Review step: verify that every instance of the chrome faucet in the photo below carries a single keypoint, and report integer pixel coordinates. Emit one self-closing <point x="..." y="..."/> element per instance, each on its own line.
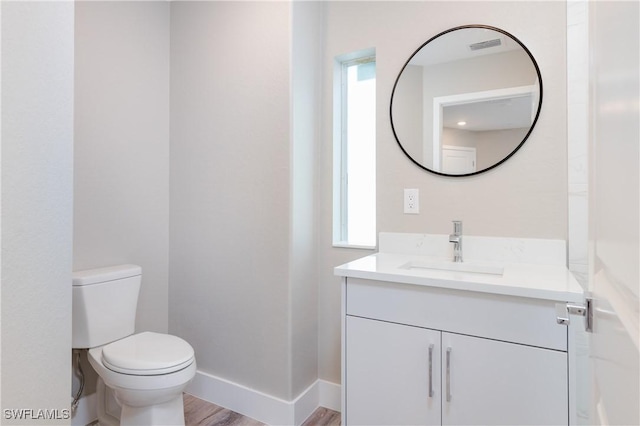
<point x="456" y="239"/>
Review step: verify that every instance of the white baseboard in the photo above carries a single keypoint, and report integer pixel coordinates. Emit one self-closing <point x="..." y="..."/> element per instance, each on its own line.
<point x="86" y="412"/>
<point x="261" y="406"/>
<point x="330" y="395"/>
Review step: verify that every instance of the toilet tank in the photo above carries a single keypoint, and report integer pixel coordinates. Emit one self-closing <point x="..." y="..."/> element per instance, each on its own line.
<point x="104" y="304"/>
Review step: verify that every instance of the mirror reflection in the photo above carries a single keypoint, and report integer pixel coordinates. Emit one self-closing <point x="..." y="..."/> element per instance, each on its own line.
<point x="466" y="100"/>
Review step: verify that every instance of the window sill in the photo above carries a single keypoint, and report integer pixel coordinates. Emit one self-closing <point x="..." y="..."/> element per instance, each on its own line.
<point x="353" y="246"/>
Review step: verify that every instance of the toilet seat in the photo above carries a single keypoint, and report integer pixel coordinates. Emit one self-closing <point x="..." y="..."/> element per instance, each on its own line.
<point x="148" y="354"/>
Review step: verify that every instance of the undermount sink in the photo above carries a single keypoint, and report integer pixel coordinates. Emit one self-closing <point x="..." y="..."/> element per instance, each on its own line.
<point x="443" y="265"/>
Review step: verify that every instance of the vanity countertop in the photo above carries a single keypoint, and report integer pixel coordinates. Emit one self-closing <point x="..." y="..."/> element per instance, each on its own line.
<point x="512" y="277"/>
<point x="551" y="282"/>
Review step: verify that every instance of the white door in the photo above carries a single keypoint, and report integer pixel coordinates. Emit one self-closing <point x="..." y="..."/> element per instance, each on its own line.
<point x="489" y="382"/>
<point x="389" y="375"/>
<point x="614" y="215"/>
<point x="458" y="160"/>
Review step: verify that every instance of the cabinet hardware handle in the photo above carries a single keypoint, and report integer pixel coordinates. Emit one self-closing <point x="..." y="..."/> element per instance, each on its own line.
<point x="431" y="370"/>
<point x="448" y="374"/>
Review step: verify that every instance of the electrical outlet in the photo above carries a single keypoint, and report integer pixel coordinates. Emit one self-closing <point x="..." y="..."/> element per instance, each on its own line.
<point x="411" y="201"/>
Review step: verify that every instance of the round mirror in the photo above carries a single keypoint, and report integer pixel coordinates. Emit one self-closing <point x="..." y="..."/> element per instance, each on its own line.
<point x="466" y="100"/>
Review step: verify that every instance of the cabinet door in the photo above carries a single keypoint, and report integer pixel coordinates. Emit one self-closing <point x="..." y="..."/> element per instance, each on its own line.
<point x="388" y="374"/>
<point x="493" y="382"/>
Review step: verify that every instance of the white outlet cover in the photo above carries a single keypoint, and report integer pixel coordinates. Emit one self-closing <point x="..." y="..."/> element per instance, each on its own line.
<point x="411" y="201"/>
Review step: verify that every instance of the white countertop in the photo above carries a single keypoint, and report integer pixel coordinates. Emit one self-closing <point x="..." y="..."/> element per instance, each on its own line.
<point x="522" y="279"/>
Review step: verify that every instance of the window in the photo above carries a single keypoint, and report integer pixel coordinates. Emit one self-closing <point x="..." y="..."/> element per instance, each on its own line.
<point x="355" y="151"/>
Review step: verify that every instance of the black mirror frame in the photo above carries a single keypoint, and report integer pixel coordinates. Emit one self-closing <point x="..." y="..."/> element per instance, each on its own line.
<point x="533" y="124"/>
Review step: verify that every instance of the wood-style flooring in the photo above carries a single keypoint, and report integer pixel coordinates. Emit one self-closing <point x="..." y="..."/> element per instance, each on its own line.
<point x="202" y="413"/>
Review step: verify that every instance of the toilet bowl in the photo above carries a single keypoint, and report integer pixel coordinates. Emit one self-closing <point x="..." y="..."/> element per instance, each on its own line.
<point x="147" y="374"/>
<point x="141" y="376"/>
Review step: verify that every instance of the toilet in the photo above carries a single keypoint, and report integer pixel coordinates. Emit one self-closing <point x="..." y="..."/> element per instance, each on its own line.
<point x="141" y="376"/>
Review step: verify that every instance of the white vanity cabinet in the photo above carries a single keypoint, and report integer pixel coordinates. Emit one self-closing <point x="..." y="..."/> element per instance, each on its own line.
<point x="420" y="355"/>
<point x="389" y="375"/>
<point x="493" y="382"/>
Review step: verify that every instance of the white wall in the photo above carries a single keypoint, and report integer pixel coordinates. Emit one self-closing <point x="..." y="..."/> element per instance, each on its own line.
<point x="306" y="71"/>
<point x="121" y="150"/>
<point x="230" y="189"/>
<point x="37" y="155"/>
<point x="243" y="154"/>
<point x="495" y="145"/>
<point x="0" y="200"/>
<point x="408" y="111"/>
<point x="524" y="197"/>
<point x="577" y="135"/>
<point x="121" y="182"/>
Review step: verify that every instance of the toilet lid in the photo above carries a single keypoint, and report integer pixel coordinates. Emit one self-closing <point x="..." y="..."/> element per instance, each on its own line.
<point x="147" y="354"/>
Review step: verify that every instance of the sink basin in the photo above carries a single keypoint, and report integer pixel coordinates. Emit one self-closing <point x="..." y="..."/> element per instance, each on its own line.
<point x="470" y="267"/>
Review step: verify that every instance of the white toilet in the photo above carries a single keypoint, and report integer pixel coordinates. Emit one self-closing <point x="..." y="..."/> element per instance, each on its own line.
<point x="145" y="372"/>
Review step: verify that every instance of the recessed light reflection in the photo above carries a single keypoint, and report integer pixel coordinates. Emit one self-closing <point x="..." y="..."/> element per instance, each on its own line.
<point x="462" y="123"/>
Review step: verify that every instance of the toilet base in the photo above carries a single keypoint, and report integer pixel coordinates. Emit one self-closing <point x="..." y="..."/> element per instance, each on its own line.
<point x="167" y="413"/>
<point x="112" y="412"/>
<point x="109" y="408"/>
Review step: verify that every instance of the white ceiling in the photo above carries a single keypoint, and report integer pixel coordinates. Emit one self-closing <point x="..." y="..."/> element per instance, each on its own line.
<point x="454" y="46"/>
<point x="498" y="114"/>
